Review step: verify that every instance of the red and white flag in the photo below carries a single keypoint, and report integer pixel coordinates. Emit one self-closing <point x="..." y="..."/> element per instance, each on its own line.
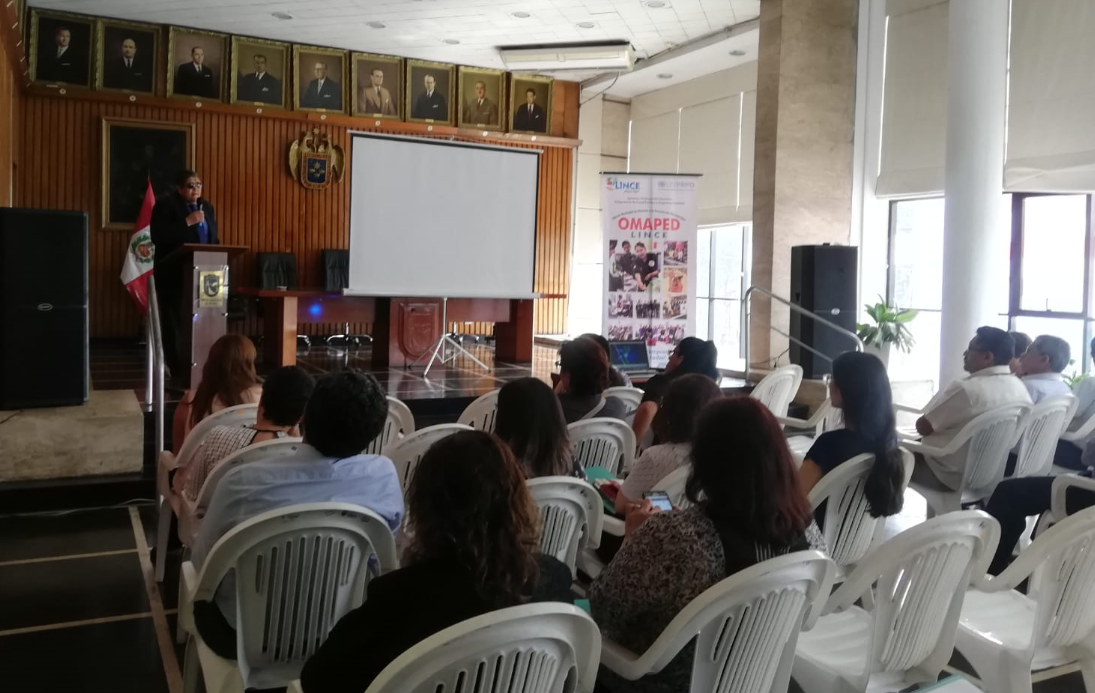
<point x="138" y="257"/>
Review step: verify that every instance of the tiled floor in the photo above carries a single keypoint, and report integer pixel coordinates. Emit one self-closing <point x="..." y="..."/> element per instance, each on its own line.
<point x="79" y="611"/>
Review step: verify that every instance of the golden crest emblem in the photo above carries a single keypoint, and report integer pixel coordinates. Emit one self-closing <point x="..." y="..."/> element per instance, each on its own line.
<point x="315" y="161"/>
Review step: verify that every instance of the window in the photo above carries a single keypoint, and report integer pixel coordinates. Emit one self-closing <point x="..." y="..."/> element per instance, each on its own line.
<point x="722" y="259"/>
<point x="916" y="281"/>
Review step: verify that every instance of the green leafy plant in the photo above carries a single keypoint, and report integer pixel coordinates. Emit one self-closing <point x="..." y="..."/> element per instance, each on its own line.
<point x="891" y="326"/>
<point x="1071" y="376"/>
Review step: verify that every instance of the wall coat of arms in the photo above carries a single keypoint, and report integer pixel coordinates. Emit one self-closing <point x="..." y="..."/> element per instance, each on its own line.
<point x="315" y="161"/>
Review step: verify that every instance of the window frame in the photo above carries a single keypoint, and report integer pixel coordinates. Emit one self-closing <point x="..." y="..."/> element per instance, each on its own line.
<point x="706" y="293"/>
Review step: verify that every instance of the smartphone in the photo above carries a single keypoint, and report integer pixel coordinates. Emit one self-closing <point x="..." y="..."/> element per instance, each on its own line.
<point x="660" y="499"/>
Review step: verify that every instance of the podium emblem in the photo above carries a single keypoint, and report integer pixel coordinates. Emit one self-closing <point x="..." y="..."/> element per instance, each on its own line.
<point x="315" y="161"/>
<point x="211" y="291"/>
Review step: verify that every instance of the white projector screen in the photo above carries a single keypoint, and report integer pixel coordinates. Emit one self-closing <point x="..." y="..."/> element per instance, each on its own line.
<point x="441" y="219"/>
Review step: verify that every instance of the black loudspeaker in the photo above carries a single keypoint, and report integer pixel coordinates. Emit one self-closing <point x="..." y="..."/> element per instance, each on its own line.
<point x="823" y="282"/>
<point x="43" y="308"/>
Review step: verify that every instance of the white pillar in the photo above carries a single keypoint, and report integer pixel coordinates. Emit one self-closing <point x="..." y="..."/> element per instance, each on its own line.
<point x="975" y="173"/>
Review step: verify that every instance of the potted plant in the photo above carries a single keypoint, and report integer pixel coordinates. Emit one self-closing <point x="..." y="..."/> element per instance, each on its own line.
<point x="890" y="329"/>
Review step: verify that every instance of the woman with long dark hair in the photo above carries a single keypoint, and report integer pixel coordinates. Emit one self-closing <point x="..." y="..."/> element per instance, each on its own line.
<point x="692" y="355"/>
<point x="530" y="420"/>
<point x="860" y="388"/>
<point x="583" y="378"/>
<point x="474" y="549"/>
<point x="228" y="379"/>
<point x="748" y="507"/>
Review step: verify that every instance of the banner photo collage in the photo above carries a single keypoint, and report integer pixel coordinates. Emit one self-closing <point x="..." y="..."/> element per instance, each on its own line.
<point x="650" y="224"/>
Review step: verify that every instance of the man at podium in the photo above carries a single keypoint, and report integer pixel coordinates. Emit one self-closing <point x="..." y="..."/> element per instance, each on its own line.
<point x="182" y="216"/>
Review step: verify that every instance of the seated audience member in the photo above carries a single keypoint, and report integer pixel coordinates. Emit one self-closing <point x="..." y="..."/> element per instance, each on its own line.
<point x="674" y="424"/>
<point x="692" y="355"/>
<point x="346" y="412"/>
<point x="1068" y="453"/>
<point x="530" y="420"/>
<point x="860" y="388"/>
<point x="990" y="385"/>
<point x="1022" y="343"/>
<point x="284" y="394"/>
<point x="228" y="379"/>
<point x="616" y="378"/>
<point x="583" y="378"/>
<point x="474" y="549"/>
<point x="748" y="508"/>
<point x="1041" y="366"/>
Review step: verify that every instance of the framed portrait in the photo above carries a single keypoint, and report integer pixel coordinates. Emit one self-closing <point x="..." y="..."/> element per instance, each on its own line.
<point x="321" y="76"/>
<point x="128" y="56"/>
<point x="61" y="48"/>
<point x="481" y="97"/>
<point x="430" y="88"/>
<point x="260" y="72"/>
<point x="377" y="86"/>
<point x="133" y="152"/>
<point x="530" y="104"/>
<point x="197" y="64"/>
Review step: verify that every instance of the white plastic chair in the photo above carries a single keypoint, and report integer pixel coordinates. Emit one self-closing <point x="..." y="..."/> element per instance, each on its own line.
<point x="603" y="442"/>
<point x="571" y="517"/>
<point x="481" y="413"/>
<point x="535" y="648"/>
<point x="298" y="571"/>
<point x="192" y="512"/>
<point x="825" y="418"/>
<point x="985" y="442"/>
<point x="631" y="396"/>
<point x="398" y="425"/>
<point x="777" y="389"/>
<point x="1043" y="427"/>
<point x="1005" y="634"/>
<point x="916" y="582"/>
<point x="850" y="531"/>
<point x="170" y="502"/>
<point x="745" y="627"/>
<point x="408" y="453"/>
<point x="1078" y="436"/>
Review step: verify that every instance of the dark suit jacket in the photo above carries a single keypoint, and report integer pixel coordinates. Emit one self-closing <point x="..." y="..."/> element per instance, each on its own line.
<point x="431" y="107"/>
<point x="169" y="231"/>
<point x="329" y="97"/>
<point x="192" y="83"/>
<point x="117" y="76"/>
<point x="537" y="122"/>
<point x="401" y="609"/>
<point x="71" y="68"/>
<point x="266" y="90"/>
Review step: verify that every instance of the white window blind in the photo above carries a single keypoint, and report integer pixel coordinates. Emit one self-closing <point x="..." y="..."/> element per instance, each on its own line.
<point x="709" y="145"/>
<point x="654" y="144"/>
<point x="1051" y="139"/>
<point x="914" y="119"/>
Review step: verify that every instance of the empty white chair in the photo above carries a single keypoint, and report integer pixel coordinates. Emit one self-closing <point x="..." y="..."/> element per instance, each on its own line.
<point x="170" y="502"/>
<point x="1043" y="427"/>
<point x="192" y="512"/>
<point x="916" y="582"/>
<point x="571" y="516"/>
<point x="1005" y="634"/>
<point x="985" y="442"/>
<point x="298" y="571"/>
<point x="398" y="425"/>
<point x="745" y="627"/>
<point x="481" y="413"/>
<point x="850" y="531"/>
<point x="777" y="389"/>
<point x="410" y="450"/>
<point x="535" y="648"/>
<point x="603" y="442"/>
<point x="631" y="396"/>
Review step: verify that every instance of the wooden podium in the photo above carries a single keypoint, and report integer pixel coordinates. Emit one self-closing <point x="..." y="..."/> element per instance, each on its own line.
<point x="203" y="270"/>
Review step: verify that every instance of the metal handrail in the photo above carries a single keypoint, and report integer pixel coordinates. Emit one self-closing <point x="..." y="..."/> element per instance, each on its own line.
<point x="156" y="365"/>
<point x="798" y="309"/>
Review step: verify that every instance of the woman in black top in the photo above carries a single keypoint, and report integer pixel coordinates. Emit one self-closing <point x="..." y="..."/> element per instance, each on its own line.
<point x="860" y="388"/>
<point x="475" y="549"/>
<point x="583" y="378"/>
<point x="530" y="420"/>
<point x="692" y="355"/>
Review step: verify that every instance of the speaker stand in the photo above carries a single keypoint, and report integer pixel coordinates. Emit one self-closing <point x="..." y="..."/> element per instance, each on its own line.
<point x="446" y="341"/>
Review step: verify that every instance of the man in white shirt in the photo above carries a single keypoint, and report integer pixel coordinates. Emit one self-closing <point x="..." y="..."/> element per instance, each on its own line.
<point x="990" y="385"/>
<point x="1041" y="366"/>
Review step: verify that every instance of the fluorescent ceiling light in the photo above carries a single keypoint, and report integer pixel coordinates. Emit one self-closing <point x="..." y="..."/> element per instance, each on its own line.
<point x="607" y="56"/>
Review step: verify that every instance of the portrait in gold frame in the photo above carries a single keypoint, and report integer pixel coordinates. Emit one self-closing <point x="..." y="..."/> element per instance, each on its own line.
<point x="248" y="87"/>
<point x="377" y="86"/>
<point x="483" y="111"/>
<point x="426" y="106"/>
<point x="309" y="94"/>
<point x="134" y="152"/>
<point x="71" y="67"/>
<point x="187" y="78"/>
<point x="118" y="42"/>
<point x="533" y="117"/>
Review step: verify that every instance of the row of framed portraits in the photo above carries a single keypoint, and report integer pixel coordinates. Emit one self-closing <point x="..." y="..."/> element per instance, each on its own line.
<point x="111" y="55"/>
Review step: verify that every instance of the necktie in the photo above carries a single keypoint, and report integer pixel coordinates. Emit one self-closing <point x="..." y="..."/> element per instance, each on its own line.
<point x="530" y="110"/>
<point x="378" y="94"/>
<point x="60" y="52"/>
<point x="128" y="63"/>
<point x="197" y="68"/>
<point x="203" y="230"/>
<point x="480" y="103"/>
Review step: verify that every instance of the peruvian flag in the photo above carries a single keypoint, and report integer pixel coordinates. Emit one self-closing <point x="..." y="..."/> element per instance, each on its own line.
<point x="138" y="257"/>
